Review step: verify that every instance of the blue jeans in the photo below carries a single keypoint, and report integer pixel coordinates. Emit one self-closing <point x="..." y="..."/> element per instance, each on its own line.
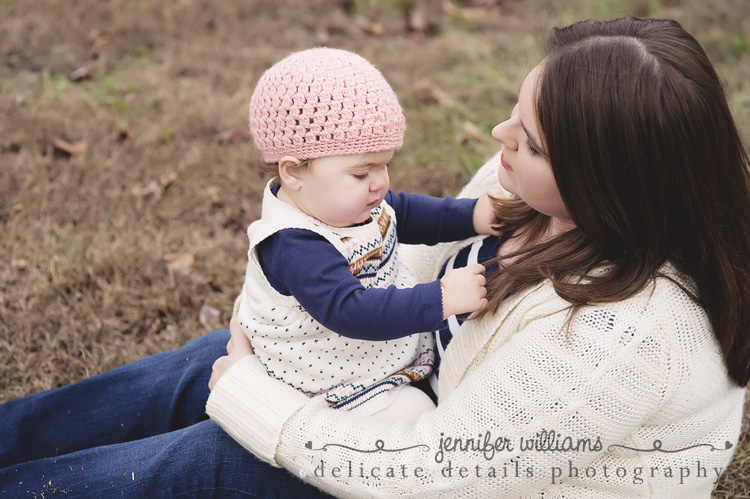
<point x="136" y="431"/>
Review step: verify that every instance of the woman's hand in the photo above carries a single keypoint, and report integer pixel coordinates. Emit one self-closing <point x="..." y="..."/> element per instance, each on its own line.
<point x="237" y="348"/>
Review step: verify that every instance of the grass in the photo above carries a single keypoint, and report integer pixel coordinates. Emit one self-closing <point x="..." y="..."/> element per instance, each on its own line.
<point x="84" y="286"/>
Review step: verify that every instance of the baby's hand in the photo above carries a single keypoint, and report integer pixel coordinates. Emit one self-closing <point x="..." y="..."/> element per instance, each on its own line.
<point x="463" y="290"/>
<point x="484" y="217"/>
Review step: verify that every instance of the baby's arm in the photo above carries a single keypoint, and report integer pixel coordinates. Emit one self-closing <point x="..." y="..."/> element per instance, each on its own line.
<point x="422" y="219"/>
<point x="302" y="264"/>
<point x="484" y="217"/>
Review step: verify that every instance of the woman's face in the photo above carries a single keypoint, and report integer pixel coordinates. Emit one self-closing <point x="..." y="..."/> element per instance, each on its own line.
<point x="526" y="171"/>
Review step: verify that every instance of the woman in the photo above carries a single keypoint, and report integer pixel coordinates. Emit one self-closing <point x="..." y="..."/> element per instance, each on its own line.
<point x="610" y="363"/>
<point x="616" y="339"/>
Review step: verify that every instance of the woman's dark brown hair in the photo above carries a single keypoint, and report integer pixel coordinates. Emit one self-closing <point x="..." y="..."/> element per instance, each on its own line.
<point x="651" y="168"/>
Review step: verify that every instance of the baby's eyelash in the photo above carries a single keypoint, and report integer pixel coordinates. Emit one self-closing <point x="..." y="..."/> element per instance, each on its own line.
<point x="363" y="176"/>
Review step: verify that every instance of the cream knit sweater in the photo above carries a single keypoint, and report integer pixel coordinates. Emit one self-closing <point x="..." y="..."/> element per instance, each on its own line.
<point x="634" y="402"/>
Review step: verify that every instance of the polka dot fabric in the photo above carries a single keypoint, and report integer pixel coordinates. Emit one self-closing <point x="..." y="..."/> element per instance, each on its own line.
<point x="324" y="102"/>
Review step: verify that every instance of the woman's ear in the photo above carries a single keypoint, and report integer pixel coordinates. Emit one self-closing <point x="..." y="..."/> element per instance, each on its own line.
<point x="290" y="172"/>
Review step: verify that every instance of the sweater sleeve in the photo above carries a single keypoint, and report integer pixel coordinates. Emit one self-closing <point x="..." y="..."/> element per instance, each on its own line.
<point x="303" y="264"/>
<point x="501" y="433"/>
<point x="429" y="220"/>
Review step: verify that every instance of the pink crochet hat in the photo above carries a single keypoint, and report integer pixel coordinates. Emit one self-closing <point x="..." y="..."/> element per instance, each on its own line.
<point x="324" y="102"/>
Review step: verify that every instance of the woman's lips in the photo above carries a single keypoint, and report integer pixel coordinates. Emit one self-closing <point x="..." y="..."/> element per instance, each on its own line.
<point x="504" y="163"/>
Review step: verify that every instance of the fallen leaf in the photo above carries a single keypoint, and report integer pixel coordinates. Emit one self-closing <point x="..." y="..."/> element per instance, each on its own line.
<point x="151" y="188"/>
<point x="209" y="316"/>
<point x="426" y="92"/>
<point x="156" y="187"/>
<point x="417" y="21"/>
<point x="97" y="39"/>
<point x="45" y="162"/>
<point x="82" y="73"/>
<point x="93" y="35"/>
<point x="178" y="261"/>
<point x="70" y="148"/>
<point x="472" y="131"/>
<point x="19" y="264"/>
<point x="468" y="13"/>
<point x="369" y="27"/>
<point x="322" y="36"/>
<point x="167" y="179"/>
<point x="232" y="135"/>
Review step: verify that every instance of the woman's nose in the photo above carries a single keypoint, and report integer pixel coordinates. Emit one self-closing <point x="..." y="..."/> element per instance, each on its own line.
<point x="501" y="133"/>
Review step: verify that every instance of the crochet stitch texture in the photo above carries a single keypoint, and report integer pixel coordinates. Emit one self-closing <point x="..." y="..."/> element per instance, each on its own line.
<point x="324" y="102"/>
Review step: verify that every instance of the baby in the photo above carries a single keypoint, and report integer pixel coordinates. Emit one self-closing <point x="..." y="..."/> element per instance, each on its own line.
<point x="326" y="305"/>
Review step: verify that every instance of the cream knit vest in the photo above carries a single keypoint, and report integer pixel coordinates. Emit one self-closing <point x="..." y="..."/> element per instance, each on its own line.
<point x="300" y="351"/>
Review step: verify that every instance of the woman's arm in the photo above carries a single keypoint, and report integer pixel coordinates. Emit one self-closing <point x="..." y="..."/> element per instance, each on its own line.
<point x="586" y="386"/>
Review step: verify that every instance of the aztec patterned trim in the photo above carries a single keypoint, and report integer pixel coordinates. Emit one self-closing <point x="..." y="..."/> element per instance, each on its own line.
<point x="356" y="266"/>
<point x="350" y="397"/>
<point x="371" y="251"/>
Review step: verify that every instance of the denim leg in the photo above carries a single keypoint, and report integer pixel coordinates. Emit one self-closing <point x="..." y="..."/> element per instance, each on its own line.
<point x="151" y="396"/>
<point x="200" y="461"/>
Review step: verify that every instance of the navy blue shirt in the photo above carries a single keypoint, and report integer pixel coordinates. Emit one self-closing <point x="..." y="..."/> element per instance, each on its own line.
<point x="302" y="263"/>
<point x="479" y="252"/>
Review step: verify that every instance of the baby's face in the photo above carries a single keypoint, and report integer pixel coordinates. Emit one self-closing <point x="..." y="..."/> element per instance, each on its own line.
<point x="342" y="190"/>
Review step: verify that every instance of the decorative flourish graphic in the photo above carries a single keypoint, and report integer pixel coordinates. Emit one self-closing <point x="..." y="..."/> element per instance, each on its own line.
<point x="657" y="447"/>
<point x="379" y="447"/>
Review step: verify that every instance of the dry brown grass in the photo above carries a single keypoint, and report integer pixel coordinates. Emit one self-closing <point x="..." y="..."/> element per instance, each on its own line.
<point x="84" y="284"/>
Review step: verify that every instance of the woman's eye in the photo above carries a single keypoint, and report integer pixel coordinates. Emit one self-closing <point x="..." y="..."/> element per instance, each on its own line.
<point x="531" y="150"/>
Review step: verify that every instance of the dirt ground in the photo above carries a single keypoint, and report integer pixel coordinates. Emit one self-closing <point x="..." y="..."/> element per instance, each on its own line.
<point x="127" y="176"/>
